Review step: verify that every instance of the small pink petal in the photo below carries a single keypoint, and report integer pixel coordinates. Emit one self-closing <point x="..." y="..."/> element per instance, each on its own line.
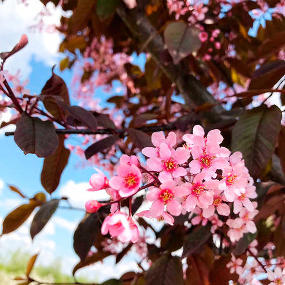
<point x="156" y="208"/>
<point x="164" y="151"/>
<point x="178" y="172"/>
<point x="174" y="208"/>
<point x="223" y="209"/>
<point x="154" y="164"/>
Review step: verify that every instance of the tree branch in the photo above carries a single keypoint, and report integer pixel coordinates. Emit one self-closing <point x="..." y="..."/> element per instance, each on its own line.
<point x="147" y="129"/>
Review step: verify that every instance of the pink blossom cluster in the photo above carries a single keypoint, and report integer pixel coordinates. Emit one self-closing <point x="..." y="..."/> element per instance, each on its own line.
<point x="201" y="178"/>
<point x="195" y="10"/>
<point x="252" y="268"/>
<point x="107" y="66"/>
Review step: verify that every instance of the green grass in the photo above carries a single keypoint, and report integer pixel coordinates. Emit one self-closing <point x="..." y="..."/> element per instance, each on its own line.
<point x="14" y="264"/>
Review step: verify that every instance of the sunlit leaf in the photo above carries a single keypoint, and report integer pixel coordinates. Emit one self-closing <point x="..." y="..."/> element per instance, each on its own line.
<point x="17" y="217"/>
<point x="181" y="40"/>
<point x="31" y="264"/>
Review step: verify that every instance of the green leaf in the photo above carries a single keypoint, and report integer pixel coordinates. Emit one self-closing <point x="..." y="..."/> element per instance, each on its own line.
<point x="17" y="217"/>
<point x="195" y="240"/>
<point x="255" y="135"/>
<point x="181" y="40"/>
<point x="105" y="9"/>
<point x="42" y="217"/>
<point x="100" y="145"/>
<point x="53" y="166"/>
<point x="167" y="270"/>
<point x="33" y="135"/>
<point x="139" y="138"/>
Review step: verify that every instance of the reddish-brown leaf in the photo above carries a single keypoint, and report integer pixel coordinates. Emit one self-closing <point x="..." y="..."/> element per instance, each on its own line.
<point x="17" y="217"/>
<point x="53" y="166"/>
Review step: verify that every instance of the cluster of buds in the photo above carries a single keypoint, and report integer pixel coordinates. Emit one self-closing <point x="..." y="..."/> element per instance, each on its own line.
<point x="199" y="177"/>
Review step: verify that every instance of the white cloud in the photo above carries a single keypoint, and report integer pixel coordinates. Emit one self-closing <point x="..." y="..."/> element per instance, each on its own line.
<point x="77" y="193"/>
<point x="20" y="239"/>
<point x="68" y="225"/>
<point x="16" y="19"/>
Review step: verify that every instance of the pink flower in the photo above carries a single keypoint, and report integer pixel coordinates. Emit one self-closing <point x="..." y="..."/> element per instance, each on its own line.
<point x="243" y="199"/>
<point x="198" y="193"/>
<point x="247" y="218"/>
<point x="92" y="206"/>
<point x="165" y="196"/>
<point x="121" y="226"/>
<point x="125" y="159"/>
<point x="157" y="139"/>
<point x="168" y="163"/>
<point x="203" y="36"/>
<point x="235" y="265"/>
<point x="163" y="217"/>
<point x="98" y="181"/>
<point x="207" y="155"/>
<point x="128" y="180"/>
<point x="222" y="208"/>
<point x="199" y="219"/>
<point x="235" y="176"/>
<point x="277" y="277"/>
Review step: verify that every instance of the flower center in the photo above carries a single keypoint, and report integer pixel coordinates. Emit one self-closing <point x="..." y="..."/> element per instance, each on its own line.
<point x="242" y="197"/>
<point x="131" y="180"/>
<point x="160" y="218"/>
<point x="166" y="195"/>
<point x="278" y="281"/>
<point x="206" y="160"/>
<point x="230" y="179"/>
<point x="197" y="189"/>
<point x="217" y="201"/>
<point x="170" y="165"/>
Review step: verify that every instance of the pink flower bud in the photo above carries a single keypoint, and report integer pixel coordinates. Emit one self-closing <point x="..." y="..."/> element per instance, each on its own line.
<point x="92" y="206"/>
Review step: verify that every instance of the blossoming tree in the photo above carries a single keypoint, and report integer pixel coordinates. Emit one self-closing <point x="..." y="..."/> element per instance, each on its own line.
<point x="190" y="148"/>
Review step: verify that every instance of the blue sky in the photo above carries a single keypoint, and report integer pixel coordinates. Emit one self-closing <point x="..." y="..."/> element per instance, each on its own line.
<point x="23" y="171"/>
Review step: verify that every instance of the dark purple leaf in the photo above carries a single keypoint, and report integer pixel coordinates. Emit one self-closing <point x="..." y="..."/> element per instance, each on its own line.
<point x="42" y="216"/>
<point x="139" y="138"/>
<point x="33" y="135"/>
<point x="255" y="135"/>
<point x="167" y="270"/>
<point x="100" y="145"/>
<point x="195" y="240"/>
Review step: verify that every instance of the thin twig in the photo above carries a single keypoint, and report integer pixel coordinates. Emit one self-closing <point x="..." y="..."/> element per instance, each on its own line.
<point x="258" y="261"/>
<point x="146" y="129"/>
